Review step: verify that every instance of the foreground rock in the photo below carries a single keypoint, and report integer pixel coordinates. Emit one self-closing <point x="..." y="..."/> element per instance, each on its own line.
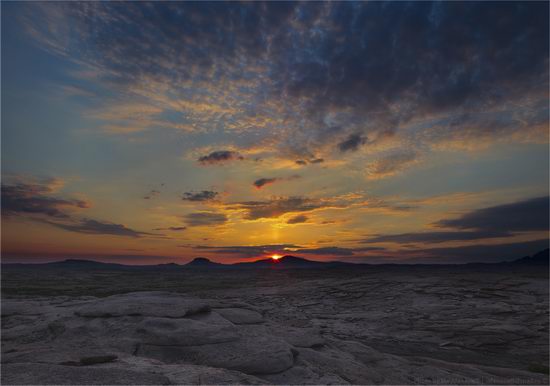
<point x="367" y="330"/>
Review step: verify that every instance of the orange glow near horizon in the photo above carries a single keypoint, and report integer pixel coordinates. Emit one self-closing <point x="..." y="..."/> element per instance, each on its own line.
<point x="276" y="257"/>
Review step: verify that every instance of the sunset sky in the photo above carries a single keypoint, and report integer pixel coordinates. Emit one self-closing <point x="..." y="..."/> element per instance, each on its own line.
<point x="146" y="133"/>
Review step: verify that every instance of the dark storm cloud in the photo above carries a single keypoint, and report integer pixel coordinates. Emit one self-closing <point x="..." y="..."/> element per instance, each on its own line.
<point x="25" y="199"/>
<point x="352" y="143"/>
<point x="248" y="250"/>
<point x="96" y="227"/>
<point x="371" y="66"/>
<point x="220" y="157"/>
<point x="205" y="195"/>
<point x="205" y="218"/>
<point x="507" y="220"/>
<point x="521" y="216"/>
<point x="299" y="219"/>
<point x="443" y="54"/>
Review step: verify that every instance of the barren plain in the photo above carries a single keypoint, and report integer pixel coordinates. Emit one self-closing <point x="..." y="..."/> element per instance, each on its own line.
<point x="349" y="325"/>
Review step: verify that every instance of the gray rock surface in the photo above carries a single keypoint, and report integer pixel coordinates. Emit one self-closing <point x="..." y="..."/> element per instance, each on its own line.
<point x="327" y="328"/>
<point x="240" y="315"/>
<point x="41" y="374"/>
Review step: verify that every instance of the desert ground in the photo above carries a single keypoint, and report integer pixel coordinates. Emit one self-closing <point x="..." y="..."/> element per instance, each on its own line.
<point x="349" y="325"/>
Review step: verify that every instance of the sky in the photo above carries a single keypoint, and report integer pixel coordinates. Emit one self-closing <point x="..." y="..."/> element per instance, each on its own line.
<point x="369" y="132"/>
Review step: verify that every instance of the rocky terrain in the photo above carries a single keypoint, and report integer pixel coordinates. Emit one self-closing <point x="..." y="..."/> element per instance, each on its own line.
<point x="370" y="325"/>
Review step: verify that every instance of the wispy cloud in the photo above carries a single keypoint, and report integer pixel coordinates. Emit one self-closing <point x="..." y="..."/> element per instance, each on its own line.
<point x="391" y="164"/>
<point x="34" y="201"/>
<point x="220" y="157"/>
<point x="261" y="182"/>
<point x="299" y="219"/>
<point x="205" y="219"/>
<point x="90" y="226"/>
<point x="23" y="199"/>
<point x="204" y="195"/>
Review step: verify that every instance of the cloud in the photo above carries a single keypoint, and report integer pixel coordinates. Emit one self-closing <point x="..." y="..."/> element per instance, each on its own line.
<point x="352" y="143"/>
<point x="152" y="194"/>
<point x="435" y="237"/>
<point x="391" y="164"/>
<point x="299" y="219"/>
<point x="23" y="199"/>
<point x="171" y="229"/>
<point x="264" y="181"/>
<point x="220" y="157"/>
<point x="205" y="219"/>
<point x="302" y="162"/>
<point x="303" y="76"/>
<point x="259" y="183"/>
<point x="205" y="195"/>
<point x="530" y="215"/>
<point x="335" y="251"/>
<point x="248" y="250"/>
<point x="34" y="200"/>
<point x="90" y="226"/>
<point x="477" y="253"/>
<point x="522" y="216"/>
<point x="369" y="249"/>
<point x="278" y="206"/>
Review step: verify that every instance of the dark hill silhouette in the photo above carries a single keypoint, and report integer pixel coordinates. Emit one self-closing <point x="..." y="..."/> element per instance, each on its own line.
<point x="287" y="261"/>
<point x="540" y="258"/>
<point x="80" y="263"/>
<point x="203" y="262"/>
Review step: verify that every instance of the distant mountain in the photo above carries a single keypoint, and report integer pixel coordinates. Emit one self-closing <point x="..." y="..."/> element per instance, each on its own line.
<point x="540" y="258"/>
<point x="284" y="262"/>
<point x="84" y="264"/>
<point x="203" y="262"/>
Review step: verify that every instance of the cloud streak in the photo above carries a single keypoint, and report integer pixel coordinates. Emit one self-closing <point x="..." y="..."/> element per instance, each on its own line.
<point x="261" y="182"/>
<point x="25" y="199"/>
<point x="205" y="195"/>
<point x="220" y="157"/>
<point x="33" y="201"/>
<point x="95" y="227"/>
<point x="498" y="221"/>
<point x="205" y="219"/>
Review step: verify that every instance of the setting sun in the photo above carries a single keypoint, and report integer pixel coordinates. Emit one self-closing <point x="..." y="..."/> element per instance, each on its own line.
<point x="276" y="257"/>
